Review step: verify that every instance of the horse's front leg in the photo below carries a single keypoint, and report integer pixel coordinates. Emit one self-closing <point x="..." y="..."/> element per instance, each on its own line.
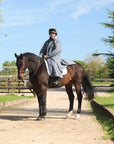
<point x="42" y="106"/>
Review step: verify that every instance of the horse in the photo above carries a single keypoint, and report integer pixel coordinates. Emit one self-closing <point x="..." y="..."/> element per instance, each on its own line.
<point x="39" y="77"/>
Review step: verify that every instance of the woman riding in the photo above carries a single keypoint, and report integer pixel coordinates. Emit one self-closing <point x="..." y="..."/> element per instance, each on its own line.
<point x="51" y="52"/>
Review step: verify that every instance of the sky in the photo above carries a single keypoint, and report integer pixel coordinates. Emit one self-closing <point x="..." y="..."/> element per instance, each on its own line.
<point x="26" y="22"/>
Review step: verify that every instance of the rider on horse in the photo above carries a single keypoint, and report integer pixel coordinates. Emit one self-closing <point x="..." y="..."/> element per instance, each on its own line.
<point x="51" y="52"/>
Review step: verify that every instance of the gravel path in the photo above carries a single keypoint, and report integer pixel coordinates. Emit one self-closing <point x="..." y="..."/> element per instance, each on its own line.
<point x="18" y="124"/>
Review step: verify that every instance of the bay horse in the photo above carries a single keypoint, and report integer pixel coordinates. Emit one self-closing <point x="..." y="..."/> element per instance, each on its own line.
<point x="39" y="78"/>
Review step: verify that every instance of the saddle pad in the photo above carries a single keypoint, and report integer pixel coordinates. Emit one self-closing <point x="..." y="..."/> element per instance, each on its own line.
<point x="64" y="71"/>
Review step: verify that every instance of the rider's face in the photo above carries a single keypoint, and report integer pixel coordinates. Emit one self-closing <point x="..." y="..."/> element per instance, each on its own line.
<point x="52" y="35"/>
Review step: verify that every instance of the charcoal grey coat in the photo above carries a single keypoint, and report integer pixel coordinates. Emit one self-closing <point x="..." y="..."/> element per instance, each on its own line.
<point x="52" y="48"/>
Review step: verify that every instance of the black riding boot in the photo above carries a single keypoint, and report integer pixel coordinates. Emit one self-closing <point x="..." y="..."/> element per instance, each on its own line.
<point x="57" y="81"/>
<point x="54" y="81"/>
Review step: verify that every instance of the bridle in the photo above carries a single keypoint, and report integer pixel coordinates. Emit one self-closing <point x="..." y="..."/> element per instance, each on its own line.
<point x="26" y="66"/>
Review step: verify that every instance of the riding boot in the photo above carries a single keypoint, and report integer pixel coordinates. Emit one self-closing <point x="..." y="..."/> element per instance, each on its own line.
<point x="50" y="81"/>
<point x="57" y="81"/>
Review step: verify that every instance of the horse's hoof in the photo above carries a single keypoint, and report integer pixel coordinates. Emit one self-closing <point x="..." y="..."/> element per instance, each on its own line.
<point x="67" y="117"/>
<point x="40" y="118"/>
<point x="74" y="117"/>
<point x="78" y="115"/>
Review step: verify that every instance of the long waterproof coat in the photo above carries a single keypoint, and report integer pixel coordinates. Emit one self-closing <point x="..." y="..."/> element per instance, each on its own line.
<point x="52" y="48"/>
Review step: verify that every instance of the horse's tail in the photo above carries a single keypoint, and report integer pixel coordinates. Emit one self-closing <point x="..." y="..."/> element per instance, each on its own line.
<point x="87" y="87"/>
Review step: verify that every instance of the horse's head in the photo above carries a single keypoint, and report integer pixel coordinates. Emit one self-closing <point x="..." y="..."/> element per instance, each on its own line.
<point x="21" y="65"/>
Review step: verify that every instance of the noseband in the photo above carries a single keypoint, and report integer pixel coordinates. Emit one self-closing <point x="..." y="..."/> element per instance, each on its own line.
<point x="24" y="65"/>
<point x="21" y="72"/>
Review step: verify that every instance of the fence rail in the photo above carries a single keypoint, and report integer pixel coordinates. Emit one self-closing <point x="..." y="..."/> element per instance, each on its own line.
<point x="9" y="85"/>
<point x="101" y="79"/>
<point x="14" y="86"/>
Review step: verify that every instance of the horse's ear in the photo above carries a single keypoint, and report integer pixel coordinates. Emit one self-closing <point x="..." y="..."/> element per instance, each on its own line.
<point x="16" y="55"/>
<point x="21" y="55"/>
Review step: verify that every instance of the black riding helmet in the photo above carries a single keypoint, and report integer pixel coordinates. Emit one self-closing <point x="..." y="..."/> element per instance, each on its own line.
<point x="52" y="30"/>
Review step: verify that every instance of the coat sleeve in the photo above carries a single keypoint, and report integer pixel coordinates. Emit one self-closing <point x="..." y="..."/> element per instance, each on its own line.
<point x="56" y="49"/>
<point x="43" y="50"/>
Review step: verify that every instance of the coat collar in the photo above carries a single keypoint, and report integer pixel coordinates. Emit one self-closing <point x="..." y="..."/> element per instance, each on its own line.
<point x="56" y="37"/>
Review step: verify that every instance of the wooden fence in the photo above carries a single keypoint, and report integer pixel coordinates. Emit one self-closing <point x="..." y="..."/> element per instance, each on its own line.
<point x="10" y="85"/>
<point x="14" y="86"/>
<point x="102" y="80"/>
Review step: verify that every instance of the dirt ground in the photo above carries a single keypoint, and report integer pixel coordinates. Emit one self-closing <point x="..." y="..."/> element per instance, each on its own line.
<point x="18" y="124"/>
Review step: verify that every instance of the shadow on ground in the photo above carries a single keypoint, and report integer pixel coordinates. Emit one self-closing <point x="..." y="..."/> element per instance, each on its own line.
<point x="52" y="114"/>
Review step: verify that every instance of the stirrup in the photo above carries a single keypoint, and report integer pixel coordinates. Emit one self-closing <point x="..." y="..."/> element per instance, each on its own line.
<point x="54" y="80"/>
<point x="57" y="81"/>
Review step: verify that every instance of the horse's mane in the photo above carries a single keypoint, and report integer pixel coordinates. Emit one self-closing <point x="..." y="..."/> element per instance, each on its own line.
<point x="32" y="56"/>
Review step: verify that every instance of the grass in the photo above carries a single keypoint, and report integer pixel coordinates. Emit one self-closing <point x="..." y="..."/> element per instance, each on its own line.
<point x="107" y="101"/>
<point x="111" y="91"/>
<point x="107" y="124"/>
<point x="103" y="82"/>
<point x="10" y="97"/>
<point x="112" y="85"/>
<point x="11" y="90"/>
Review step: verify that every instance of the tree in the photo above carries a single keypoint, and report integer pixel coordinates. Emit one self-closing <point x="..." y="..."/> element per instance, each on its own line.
<point x="95" y="67"/>
<point x="110" y="39"/>
<point x="9" y="68"/>
<point x="83" y="64"/>
<point x="1" y="20"/>
<point x="110" y="64"/>
<point x="110" y="42"/>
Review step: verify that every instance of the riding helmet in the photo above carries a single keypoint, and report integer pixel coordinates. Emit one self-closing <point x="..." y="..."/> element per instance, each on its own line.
<point x="52" y="30"/>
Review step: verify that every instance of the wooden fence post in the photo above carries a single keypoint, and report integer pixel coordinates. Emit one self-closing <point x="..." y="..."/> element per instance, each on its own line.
<point x="8" y="85"/>
<point x="18" y="86"/>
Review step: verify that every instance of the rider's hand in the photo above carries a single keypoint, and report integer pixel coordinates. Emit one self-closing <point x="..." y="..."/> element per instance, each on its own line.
<point x="45" y="56"/>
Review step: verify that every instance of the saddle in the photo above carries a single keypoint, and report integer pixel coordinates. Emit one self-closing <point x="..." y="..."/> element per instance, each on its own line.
<point x="55" y="81"/>
<point x="64" y="71"/>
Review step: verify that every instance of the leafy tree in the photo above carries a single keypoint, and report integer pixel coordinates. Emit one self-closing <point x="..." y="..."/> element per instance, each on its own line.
<point x="83" y="64"/>
<point x="110" y="42"/>
<point x="1" y="20"/>
<point x="9" y="68"/>
<point x="110" y="63"/>
<point x="110" y="39"/>
<point x="95" y="67"/>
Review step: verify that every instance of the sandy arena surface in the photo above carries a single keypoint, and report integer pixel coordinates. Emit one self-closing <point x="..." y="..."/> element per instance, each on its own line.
<point x="18" y="124"/>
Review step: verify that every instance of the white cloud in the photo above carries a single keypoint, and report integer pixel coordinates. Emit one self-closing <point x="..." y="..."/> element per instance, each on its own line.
<point x="23" y="17"/>
<point x="27" y="16"/>
<point x="17" y="17"/>
<point x="85" y="7"/>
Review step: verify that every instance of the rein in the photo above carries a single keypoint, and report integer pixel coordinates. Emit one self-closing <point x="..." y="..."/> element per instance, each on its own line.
<point x="35" y="72"/>
<point x="36" y="69"/>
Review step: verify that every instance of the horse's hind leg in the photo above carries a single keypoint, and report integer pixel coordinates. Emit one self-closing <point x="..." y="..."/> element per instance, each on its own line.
<point x="71" y="99"/>
<point x="79" y="97"/>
